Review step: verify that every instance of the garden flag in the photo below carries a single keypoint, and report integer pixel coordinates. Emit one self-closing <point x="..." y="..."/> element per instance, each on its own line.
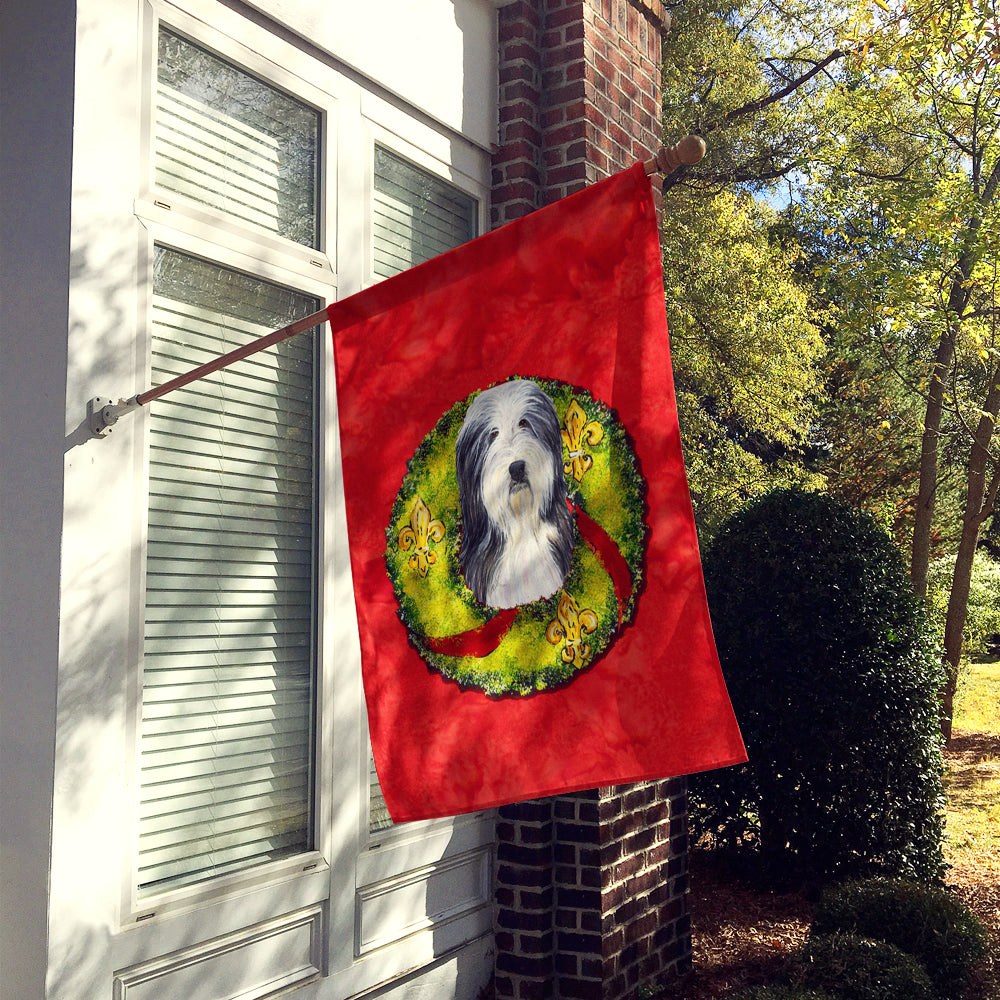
<point x="529" y="592"/>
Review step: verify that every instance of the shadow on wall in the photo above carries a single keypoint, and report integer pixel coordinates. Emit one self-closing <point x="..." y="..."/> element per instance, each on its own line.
<point x="450" y="896"/>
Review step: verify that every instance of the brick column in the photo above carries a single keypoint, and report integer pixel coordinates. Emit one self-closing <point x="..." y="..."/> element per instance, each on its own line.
<point x="591" y="893"/>
<point x="591" y="889"/>
<point x="579" y="96"/>
<point x="517" y="161"/>
<point x="621" y="883"/>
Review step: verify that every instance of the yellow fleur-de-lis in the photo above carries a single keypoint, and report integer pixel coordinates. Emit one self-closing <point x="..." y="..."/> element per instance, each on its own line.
<point x="578" y="431"/>
<point x="418" y="536"/>
<point x="570" y="627"/>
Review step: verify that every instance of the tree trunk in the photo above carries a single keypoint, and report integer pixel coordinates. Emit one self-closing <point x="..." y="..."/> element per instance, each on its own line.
<point x="980" y="499"/>
<point x="920" y="553"/>
<point x="958" y="299"/>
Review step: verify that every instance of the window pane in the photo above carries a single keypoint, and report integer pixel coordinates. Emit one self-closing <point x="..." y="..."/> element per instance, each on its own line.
<point x="416" y="216"/>
<point x="228" y="140"/>
<point x="228" y="660"/>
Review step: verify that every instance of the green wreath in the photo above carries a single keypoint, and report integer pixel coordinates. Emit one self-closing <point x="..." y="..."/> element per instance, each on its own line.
<point x="546" y="643"/>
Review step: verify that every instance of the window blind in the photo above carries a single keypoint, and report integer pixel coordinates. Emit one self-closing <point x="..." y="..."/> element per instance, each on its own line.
<point x="415" y="216"/>
<point x="225" y="139"/>
<point x="228" y="655"/>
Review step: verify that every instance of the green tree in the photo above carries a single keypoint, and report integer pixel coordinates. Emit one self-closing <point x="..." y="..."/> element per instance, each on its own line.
<point x="879" y="121"/>
<point x="746" y="355"/>
<point x="868" y="426"/>
<point x="746" y="348"/>
<point x="747" y="76"/>
<point x="910" y="179"/>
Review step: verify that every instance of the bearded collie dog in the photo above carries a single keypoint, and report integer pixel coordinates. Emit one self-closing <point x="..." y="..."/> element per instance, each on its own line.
<point x="517" y="532"/>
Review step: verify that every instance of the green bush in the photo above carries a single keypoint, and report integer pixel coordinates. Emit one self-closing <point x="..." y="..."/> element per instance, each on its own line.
<point x="833" y="673"/>
<point x="782" y="993"/>
<point x="982" y="620"/>
<point x="925" y="922"/>
<point x="856" y="968"/>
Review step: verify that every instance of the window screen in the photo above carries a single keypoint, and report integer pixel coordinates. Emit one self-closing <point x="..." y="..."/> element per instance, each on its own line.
<point x="225" y="139"/>
<point x="228" y="659"/>
<point x="416" y="216"/>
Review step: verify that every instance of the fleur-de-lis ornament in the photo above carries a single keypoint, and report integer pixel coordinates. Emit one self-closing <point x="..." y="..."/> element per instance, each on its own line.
<point x="576" y="433"/>
<point x="423" y="530"/>
<point x="570" y="627"/>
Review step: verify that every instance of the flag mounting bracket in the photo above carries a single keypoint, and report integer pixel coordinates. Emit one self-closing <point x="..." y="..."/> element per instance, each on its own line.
<point x="103" y="413"/>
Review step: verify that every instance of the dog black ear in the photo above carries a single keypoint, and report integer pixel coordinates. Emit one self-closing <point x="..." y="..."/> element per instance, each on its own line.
<point x="474" y="547"/>
<point x="479" y="549"/>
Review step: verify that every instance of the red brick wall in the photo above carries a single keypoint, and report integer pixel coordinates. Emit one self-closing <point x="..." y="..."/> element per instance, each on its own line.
<point x="591" y="893"/>
<point x="591" y="889"/>
<point x="579" y="96"/>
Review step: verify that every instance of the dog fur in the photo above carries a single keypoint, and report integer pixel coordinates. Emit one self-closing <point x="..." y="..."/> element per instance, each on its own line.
<point x="517" y="532"/>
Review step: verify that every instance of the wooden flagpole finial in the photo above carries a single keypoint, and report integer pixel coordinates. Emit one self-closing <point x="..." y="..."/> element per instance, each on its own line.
<point x="668" y="158"/>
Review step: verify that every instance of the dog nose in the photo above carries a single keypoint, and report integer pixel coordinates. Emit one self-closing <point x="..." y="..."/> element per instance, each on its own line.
<point x="516" y="470"/>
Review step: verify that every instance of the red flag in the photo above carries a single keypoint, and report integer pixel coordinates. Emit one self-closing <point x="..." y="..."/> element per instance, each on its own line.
<point x="529" y="591"/>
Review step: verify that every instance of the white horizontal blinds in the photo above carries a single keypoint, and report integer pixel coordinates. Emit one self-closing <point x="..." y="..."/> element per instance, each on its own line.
<point x="228" y="657"/>
<point x="228" y="140"/>
<point x="378" y="813"/>
<point x="416" y="216"/>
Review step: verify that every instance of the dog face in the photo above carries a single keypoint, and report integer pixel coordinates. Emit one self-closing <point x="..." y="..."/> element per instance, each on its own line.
<point x="516" y="530"/>
<point x="516" y="426"/>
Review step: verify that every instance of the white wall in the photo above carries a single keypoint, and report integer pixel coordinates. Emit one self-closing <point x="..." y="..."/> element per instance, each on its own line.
<point x="71" y="294"/>
<point x="36" y="108"/>
<point x="415" y="49"/>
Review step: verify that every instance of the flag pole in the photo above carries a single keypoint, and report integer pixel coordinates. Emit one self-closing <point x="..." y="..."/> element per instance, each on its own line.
<point x="103" y="413"/>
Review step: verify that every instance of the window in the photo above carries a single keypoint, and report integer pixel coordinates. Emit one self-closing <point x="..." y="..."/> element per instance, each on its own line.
<point x="228" y="678"/>
<point x="252" y="804"/>
<point x="229" y="647"/>
<point x="415" y="216"/>
<point x="225" y="139"/>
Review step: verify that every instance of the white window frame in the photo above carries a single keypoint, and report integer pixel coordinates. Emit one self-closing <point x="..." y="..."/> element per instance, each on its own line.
<point x="183" y="240"/>
<point x="349" y="871"/>
<point x="180" y="224"/>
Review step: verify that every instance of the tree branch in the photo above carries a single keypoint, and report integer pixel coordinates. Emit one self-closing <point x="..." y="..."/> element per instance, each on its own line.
<point x="754" y="106"/>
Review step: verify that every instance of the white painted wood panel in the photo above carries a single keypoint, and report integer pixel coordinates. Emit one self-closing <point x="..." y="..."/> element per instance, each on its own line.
<point x="438" y="55"/>
<point x="250" y="965"/>
<point x="390" y="910"/>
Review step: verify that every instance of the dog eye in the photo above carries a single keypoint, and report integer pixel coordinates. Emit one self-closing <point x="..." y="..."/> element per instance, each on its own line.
<point x="524" y="424"/>
<point x="494" y="435"/>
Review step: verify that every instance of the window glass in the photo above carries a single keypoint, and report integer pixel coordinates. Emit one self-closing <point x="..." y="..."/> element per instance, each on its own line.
<point x="416" y="215"/>
<point x="228" y="680"/>
<point x="230" y="141"/>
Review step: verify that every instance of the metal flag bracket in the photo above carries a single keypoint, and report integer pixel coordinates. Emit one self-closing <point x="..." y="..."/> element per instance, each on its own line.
<point x="103" y="413"/>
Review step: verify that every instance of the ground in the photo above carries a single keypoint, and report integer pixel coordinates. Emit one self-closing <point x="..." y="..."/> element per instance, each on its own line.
<point x="741" y="934"/>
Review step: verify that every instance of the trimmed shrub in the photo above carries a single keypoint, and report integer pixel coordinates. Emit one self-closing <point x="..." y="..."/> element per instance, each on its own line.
<point x="926" y="922"/>
<point x="833" y="672"/>
<point x="856" y="968"/>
